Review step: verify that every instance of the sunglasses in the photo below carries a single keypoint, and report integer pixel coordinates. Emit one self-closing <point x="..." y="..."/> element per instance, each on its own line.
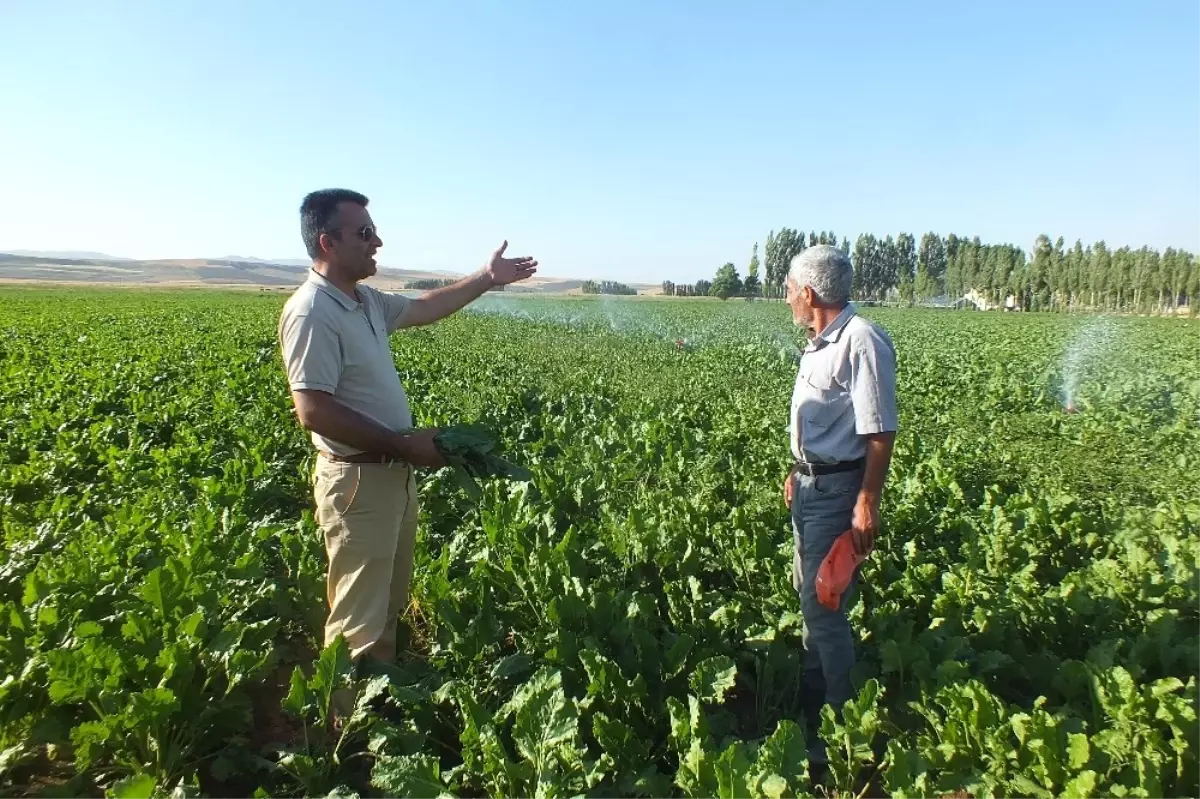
<point x="365" y="233"/>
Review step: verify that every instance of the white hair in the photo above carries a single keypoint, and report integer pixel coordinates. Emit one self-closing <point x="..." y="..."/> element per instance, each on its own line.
<point x="827" y="270"/>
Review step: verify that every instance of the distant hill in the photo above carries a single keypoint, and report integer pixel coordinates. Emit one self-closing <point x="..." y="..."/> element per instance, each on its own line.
<point x="181" y="271"/>
<point x="251" y="259"/>
<point x="96" y="268"/>
<point x="72" y="255"/>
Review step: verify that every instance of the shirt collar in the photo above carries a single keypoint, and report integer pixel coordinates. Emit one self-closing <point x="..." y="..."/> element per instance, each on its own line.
<point x="323" y="283"/>
<point x="833" y="331"/>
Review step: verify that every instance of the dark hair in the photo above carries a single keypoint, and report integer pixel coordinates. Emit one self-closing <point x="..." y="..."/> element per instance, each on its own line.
<point x="317" y="214"/>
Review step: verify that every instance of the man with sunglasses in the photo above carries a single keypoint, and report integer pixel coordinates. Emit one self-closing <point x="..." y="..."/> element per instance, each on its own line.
<point x="347" y="394"/>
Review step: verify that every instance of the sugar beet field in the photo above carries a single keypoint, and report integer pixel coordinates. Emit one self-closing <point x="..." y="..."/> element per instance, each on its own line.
<point x="624" y="623"/>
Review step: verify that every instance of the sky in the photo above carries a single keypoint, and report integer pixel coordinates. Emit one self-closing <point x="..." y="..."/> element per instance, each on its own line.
<point x="632" y="141"/>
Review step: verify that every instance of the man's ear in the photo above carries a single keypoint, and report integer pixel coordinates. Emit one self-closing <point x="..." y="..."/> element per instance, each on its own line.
<point x="326" y="242"/>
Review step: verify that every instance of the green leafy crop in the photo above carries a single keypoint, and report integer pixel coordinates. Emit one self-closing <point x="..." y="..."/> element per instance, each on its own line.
<point x="608" y="613"/>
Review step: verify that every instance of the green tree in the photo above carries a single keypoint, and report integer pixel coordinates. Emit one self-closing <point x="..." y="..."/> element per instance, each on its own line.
<point x="995" y="272"/>
<point x="425" y="284"/>
<point x="971" y="252"/>
<point x="888" y="268"/>
<point x="1166" y="280"/>
<point x="606" y="287"/>
<point x="858" y="284"/>
<point x="1181" y="272"/>
<point x="781" y="248"/>
<point x="1155" y="292"/>
<point x="1076" y="273"/>
<point x="1056" y="283"/>
<point x="906" y="266"/>
<point x="1191" y="282"/>
<point x="752" y="286"/>
<point x="1101" y="268"/>
<point x="992" y="267"/>
<point x="952" y="279"/>
<point x="771" y="251"/>
<point x="1051" y="277"/>
<point x="1121" y="277"/>
<point x="726" y="283"/>
<point x="865" y="283"/>
<point x="795" y="246"/>
<point x="1017" y="267"/>
<point x="1036" y="291"/>
<point x="931" y="267"/>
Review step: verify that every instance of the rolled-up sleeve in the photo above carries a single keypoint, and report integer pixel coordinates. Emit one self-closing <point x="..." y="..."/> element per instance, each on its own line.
<point x="873" y="387"/>
<point x="312" y="353"/>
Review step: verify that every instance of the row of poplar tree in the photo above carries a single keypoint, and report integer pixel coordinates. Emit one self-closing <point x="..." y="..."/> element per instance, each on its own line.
<point x="1052" y="277"/>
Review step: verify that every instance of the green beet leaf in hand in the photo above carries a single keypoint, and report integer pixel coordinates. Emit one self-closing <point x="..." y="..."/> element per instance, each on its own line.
<point x="471" y="450"/>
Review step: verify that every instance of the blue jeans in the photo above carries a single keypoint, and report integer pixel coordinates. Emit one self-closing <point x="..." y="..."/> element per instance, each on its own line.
<point x="822" y="508"/>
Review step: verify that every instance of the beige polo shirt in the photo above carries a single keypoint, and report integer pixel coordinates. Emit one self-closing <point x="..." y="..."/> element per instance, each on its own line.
<point x="338" y="344"/>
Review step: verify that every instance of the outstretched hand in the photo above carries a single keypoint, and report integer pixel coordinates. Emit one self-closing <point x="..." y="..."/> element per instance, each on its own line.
<point x="503" y="270"/>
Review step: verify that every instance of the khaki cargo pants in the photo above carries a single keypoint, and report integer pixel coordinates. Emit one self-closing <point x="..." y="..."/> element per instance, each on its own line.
<point x="368" y="515"/>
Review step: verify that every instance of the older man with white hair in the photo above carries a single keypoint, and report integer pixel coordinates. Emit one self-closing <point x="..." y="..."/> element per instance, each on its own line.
<point x="843" y="427"/>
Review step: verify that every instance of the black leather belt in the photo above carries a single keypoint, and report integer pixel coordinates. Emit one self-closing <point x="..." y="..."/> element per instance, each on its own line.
<point x="811" y="469"/>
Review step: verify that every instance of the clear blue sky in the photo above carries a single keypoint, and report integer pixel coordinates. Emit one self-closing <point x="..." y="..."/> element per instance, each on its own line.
<point x="622" y="140"/>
